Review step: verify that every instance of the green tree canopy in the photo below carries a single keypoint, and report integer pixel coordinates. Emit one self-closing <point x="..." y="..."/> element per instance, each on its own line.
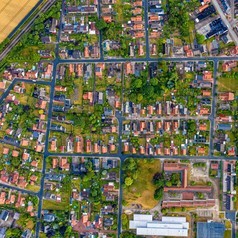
<point x="200" y="38"/>
<point x="128" y="181"/>
<point x="158" y="195"/>
<point x="101" y="24"/>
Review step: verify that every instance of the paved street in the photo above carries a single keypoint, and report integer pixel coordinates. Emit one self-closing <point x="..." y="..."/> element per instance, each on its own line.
<point x="147" y="43"/>
<point x="17" y="189"/>
<point x="213" y="109"/>
<point x="167" y="118"/>
<point x="146" y="59"/>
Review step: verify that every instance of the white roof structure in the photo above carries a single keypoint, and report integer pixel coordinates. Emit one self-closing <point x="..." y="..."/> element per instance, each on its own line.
<point x="142" y="217"/>
<point x="161" y="232"/>
<point x="174" y="219"/>
<point x="135" y="224"/>
<point x="169" y="226"/>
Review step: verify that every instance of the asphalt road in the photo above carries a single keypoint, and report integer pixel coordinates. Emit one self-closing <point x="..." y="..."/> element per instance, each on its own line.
<point x="213" y="109"/>
<point x="149" y="60"/>
<point x="41" y="192"/>
<point x="100" y="32"/>
<point x="147" y="42"/>
<point x="17" y="189"/>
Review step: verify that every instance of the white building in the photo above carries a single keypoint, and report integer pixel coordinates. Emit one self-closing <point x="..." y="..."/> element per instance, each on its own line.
<point x="169" y="226"/>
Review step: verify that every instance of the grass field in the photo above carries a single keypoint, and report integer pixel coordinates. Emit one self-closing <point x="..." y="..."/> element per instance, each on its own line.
<point x="227" y="84"/>
<point x="142" y="190"/>
<point x="11" y="14"/>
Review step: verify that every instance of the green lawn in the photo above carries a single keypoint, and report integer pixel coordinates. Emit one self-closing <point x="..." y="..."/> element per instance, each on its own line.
<point x="76" y="183"/>
<point x="227" y="84"/>
<point x="119" y="9"/>
<point x="77" y="96"/>
<point x="54" y="205"/>
<point x="142" y="190"/>
<point x="34" y="188"/>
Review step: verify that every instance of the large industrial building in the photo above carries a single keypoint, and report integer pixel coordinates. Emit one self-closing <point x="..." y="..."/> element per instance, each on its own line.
<point x="169" y="226"/>
<point x="210" y="229"/>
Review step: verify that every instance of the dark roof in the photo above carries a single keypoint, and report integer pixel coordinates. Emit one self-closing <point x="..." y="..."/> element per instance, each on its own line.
<point x="217" y="28"/>
<point x="206" y="13"/>
<point x="4" y="215"/>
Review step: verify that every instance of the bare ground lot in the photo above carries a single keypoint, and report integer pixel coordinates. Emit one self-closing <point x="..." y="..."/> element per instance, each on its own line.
<point x="11" y="13"/>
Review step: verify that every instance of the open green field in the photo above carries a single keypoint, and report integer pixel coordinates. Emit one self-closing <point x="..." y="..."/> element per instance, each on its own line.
<point x="142" y="190"/>
<point x="54" y="205"/>
<point x="227" y="84"/>
<point x="34" y="188"/>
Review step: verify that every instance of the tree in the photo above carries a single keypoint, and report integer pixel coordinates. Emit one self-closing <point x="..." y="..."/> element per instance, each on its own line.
<point x="158" y="179"/>
<point x="159" y="183"/>
<point x="13" y="232"/>
<point x="130" y="164"/>
<point x="125" y="221"/>
<point x="137" y="83"/>
<point x="101" y="24"/>
<point x="175" y="179"/>
<point x="154" y="81"/>
<point x="158" y="195"/>
<point x="200" y="195"/>
<point x="191" y="126"/>
<point x="135" y="175"/>
<point x="168" y="183"/>
<point x="15" y="162"/>
<point x="68" y="231"/>
<point x="128" y="234"/>
<point x="200" y="38"/>
<point x="128" y="181"/>
<point x="139" y="97"/>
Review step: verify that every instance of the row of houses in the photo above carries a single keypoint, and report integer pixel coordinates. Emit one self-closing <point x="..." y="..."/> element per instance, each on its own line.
<point x="18" y="200"/>
<point x="16" y="179"/>
<point x="80" y="145"/>
<point x="168" y="108"/>
<point x="43" y="71"/>
<point x="156" y="18"/>
<point x="151" y="127"/>
<point x="89" y="51"/>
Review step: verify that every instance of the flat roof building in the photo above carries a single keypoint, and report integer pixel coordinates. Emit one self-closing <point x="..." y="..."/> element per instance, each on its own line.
<point x="169" y="226"/>
<point x="210" y="230"/>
